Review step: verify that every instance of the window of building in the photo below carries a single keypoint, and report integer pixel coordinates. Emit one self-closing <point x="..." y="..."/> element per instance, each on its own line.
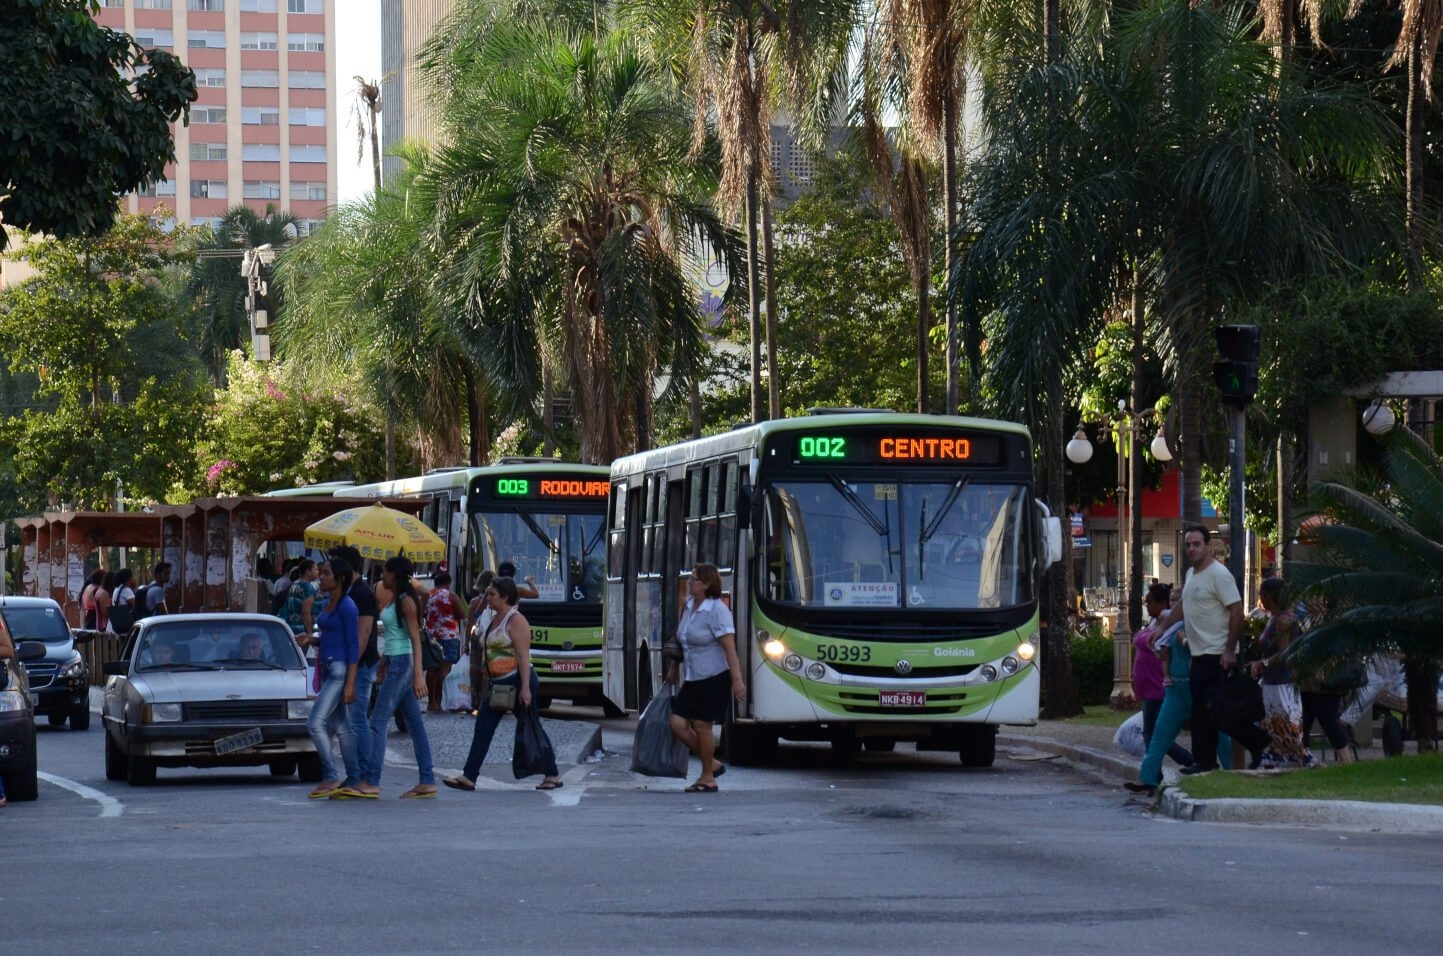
<point x="214" y="6"/>
<point x="258" y="41"/>
<point x="262" y="189"/>
<point x="212" y="76"/>
<point x="207" y="151"/>
<point x="306" y="42"/>
<point x="155" y="38"/>
<point x="270" y="78"/>
<point x="208" y="189"/>
<point x="209" y="222"/>
<point x="308" y="154"/>
<point x="152" y="4"/>
<point x="261" y="115"/>
<point x="304" y="6"/>
<point x="304" y="227"/>
<point x="165" y="187"/>
<point x="258" y="6"/>
<point x="308" y="116"/>
<point x="206" y="39"/>
<point x="165" y="224"/>
<point x="112" y="3"/>
<point x="261" y="153"/>
<point x="207" y="114"/>
<point x="306" y="80"/>
<point x="308" y="191"/>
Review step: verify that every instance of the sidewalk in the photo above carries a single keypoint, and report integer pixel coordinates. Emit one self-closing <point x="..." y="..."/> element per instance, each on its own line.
<point x="1090" y="748"/>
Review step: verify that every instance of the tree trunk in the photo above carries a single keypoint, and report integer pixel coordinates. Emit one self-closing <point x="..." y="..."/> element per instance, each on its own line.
<point x="1059" y="687"/>
<point x="1414" y="162"/>
<point x="390" y="447"/>
<point x="695" y="397"/>
<point x="375" y="151"/>
<point x="949" y="240"/>
<point x="924" y="339"/>
<point x="1422" y="676"/>
<point x="754" y="306"/>
<point x="1284" y="549"/>
<point x="1134" y="468"/>
<point x="774" y="381"/>
<point x="1190" y="421"/>
<point x="548" y="406"/>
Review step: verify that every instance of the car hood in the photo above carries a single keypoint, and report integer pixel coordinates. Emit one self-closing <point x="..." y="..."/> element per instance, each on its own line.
<point x="58" y="652"/>
<point x="190" y="686"/>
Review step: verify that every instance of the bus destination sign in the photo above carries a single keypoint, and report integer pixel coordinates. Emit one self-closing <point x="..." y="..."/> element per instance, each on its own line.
<point x="921" y="446"/>
<point x="557" y="488"/>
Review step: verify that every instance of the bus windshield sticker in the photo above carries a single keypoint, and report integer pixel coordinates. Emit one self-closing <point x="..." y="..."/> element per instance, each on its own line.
<point x="862" y="594"/>
<point x="550" y="591"/>
<point x="882" y="492"/>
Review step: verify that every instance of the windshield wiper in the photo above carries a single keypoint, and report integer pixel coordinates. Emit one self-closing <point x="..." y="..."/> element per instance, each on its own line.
<point x="250" y="660"/>
<point x="537" y="530"/>
<point x="925" y="531"/>
<point x="882" y="529"/>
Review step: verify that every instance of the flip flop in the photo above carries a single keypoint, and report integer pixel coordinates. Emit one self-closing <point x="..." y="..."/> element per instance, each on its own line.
<point x="702" y="788"/>
<point x="320" y="794"/>
<point x="550" y="785"/>
<point x="351" y="793"/>
<point x="459" y="783"/>
<point x="415" y="794"/>
<point x="721" y="768"/>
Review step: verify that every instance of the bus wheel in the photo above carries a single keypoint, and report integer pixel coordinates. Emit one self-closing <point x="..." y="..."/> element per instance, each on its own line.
<point x="610" y="710"/>
<point x="979" y="746"/>
<point x="880" y="745"/>
<point x="747" y="746"/>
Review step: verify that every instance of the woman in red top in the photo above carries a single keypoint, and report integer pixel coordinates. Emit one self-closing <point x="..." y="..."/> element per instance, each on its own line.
<point x="445" y="618"/>
<point x="1147" y="671"/>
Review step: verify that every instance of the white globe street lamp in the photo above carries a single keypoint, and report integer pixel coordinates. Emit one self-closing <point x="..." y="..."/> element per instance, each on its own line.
<point x="1378" y="419"/>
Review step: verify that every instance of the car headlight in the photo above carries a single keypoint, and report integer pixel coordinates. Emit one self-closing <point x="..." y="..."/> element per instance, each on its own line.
<point x="162" y="713"/>
<point x="11" y="701"/>
<point x="73" y="669"/>
<point x="298" y="709"/>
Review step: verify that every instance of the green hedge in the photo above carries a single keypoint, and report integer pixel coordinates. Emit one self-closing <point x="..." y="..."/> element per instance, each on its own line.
<point x="1092" y="665"/>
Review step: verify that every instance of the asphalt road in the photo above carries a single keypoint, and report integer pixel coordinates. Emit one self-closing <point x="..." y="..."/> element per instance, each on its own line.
<point x="891" y="852"/>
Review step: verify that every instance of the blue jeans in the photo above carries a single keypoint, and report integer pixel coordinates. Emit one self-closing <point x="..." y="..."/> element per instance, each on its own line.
<point x="488" y="720"/>
<point x="398" y="692"/>
<point x="328" y="715"/>
<point x="358" y="760"/>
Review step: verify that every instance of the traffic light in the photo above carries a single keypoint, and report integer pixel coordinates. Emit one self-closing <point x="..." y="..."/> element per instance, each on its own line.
<point x="1237" y="374"/>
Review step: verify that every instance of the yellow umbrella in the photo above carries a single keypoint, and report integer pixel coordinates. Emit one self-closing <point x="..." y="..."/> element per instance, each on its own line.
<point x="378" y="532"/>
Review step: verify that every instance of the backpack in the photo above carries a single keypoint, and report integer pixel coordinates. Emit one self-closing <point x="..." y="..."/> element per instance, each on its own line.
<point x="142" y="602"/>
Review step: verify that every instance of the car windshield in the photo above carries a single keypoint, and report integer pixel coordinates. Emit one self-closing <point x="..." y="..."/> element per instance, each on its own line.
<point x="214" y="645"/>
<point x="836" y="543"/>
<point x="36" y="624"/>
<point x="563" y="552"/>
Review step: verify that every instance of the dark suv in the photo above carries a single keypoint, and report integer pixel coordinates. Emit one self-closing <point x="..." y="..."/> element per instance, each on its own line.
<point x="17" y="725"/>
<point x="60" y="681"/>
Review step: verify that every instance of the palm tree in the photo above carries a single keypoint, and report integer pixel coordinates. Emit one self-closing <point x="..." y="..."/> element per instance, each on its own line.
<point x="1374" y="568"/>
<point x="565" y="206"/>
<point x="1417" y="50"/>
<point x="368" y="113"/>
<point x="220" y="321"/>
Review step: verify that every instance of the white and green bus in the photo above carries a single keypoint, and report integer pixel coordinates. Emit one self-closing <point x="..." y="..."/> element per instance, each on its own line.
<point x="882" y="569"/>
<point x="548" y="519"/>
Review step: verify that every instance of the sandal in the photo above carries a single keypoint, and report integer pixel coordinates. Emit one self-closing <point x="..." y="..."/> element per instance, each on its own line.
<point x="325" y="790"/>
<point x="351" y="793"/>
<point x="459" y="783"/>
<point x="550" y="785"/>
<point x="416" y="793"/>
<point x="702" y="788"/>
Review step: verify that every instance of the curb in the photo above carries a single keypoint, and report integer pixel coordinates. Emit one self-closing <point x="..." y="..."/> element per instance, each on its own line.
<point x="1175" y="803"/>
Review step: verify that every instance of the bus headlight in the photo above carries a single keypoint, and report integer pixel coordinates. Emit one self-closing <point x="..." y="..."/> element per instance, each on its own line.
<point x="774" y="649"/>
<point x="792" y="662"/>
<point x="816" y="671"/>
<point x="988" y="672"/>
<point x="1026" y="651"/>
<point x="1010" y="665"/>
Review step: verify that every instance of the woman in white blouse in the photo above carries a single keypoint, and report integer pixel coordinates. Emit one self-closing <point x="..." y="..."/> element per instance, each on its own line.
<point x="713" y="673"/>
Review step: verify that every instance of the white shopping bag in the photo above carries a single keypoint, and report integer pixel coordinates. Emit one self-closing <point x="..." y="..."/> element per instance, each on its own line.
<point x="456" y="692"/>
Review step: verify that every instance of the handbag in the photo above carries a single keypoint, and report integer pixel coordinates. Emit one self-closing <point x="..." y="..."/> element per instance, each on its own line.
<point x="1236" y="700"/>
<point x="501" y="697"/>
<point x="672" y="650"/>
<point x="432" y="654"/>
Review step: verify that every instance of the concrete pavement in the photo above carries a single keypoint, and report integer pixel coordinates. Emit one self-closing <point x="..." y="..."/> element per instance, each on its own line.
<point x="1090" y="748"/>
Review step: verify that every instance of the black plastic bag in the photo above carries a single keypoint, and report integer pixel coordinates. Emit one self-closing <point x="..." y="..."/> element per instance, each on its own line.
<point x="532" y="753"/>
<point x="1236" y="700"/>
<point x="655" y="750"/>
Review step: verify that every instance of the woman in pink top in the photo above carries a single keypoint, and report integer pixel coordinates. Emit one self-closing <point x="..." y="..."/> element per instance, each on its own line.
<point x="1147" y="670"/>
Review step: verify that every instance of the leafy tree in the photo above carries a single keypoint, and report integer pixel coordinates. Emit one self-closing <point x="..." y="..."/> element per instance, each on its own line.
<point x="1374" y="570"/>
<point x="86" y="114"/>
<point x="270" y="428"/>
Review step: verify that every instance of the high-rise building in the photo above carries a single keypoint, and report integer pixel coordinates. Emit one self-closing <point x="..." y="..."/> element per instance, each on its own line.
<point x="406" y="111"/>
<point x="263" y="130"/>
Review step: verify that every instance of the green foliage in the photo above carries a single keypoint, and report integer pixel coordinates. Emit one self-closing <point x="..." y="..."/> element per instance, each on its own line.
<point x="1092" y="665"/>
<point x="80" y="125"/>
<point x="268" y="430"/>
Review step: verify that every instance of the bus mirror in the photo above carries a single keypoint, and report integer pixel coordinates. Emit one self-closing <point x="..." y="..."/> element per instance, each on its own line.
<point x="1050" y="538"/>
<point x="744" y="507"/>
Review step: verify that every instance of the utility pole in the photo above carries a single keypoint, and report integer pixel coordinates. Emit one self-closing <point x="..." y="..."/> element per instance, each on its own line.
<point x="1237" y="378"/>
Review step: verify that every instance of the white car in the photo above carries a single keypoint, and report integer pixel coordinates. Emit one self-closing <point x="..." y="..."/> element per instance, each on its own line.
<point x="208" y="690"/>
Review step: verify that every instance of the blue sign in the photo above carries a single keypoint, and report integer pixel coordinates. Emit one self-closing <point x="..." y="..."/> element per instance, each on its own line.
<point x="1167" y="560"/>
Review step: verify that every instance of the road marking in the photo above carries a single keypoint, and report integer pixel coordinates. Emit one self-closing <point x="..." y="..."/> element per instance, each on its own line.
<point x="109" y="806"/>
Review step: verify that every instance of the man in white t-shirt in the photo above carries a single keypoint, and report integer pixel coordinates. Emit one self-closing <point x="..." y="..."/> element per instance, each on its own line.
<point x="1213" y="612"/>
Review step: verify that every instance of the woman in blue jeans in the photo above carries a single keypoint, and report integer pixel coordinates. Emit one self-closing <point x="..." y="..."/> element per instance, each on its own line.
<point x="507" y="644"/>
<point x="339" y="652"/>
<point x="404" y="685"/>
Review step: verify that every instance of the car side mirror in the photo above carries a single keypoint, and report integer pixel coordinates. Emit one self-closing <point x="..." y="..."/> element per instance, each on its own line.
<point x="30" y="651"/>
<point x="114" y="668"/>
<point x="83" y="635"/>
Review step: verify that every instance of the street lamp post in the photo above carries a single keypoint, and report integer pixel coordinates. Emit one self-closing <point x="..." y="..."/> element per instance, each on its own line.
<point x="1127" y="425"/>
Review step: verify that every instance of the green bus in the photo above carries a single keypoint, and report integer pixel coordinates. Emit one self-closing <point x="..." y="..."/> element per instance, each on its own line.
<point x="882" y="569"/>
<point x="548" y="519"/>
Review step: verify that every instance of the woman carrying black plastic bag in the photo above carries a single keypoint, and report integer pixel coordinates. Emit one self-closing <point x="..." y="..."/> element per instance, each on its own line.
<point x="713" y="673"/>
<point x="507" y="645"/>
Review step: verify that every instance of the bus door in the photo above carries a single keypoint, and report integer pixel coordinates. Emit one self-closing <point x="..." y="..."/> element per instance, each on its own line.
<point x="624" y="553"/>
<point x="676" y="571"/>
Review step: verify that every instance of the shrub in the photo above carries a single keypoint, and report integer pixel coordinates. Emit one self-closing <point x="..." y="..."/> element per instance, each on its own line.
<point x="1092" y="665"/>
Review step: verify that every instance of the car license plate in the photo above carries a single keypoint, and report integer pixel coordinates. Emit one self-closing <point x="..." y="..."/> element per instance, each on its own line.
<point x="240" y="741"/>
<point x="903" y="698"/>
<point x="567" y="667"/>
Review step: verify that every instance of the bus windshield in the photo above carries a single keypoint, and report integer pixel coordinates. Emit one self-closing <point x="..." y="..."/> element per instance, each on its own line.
<point x="834" y="543"/>
<point x="562" y="552"/>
